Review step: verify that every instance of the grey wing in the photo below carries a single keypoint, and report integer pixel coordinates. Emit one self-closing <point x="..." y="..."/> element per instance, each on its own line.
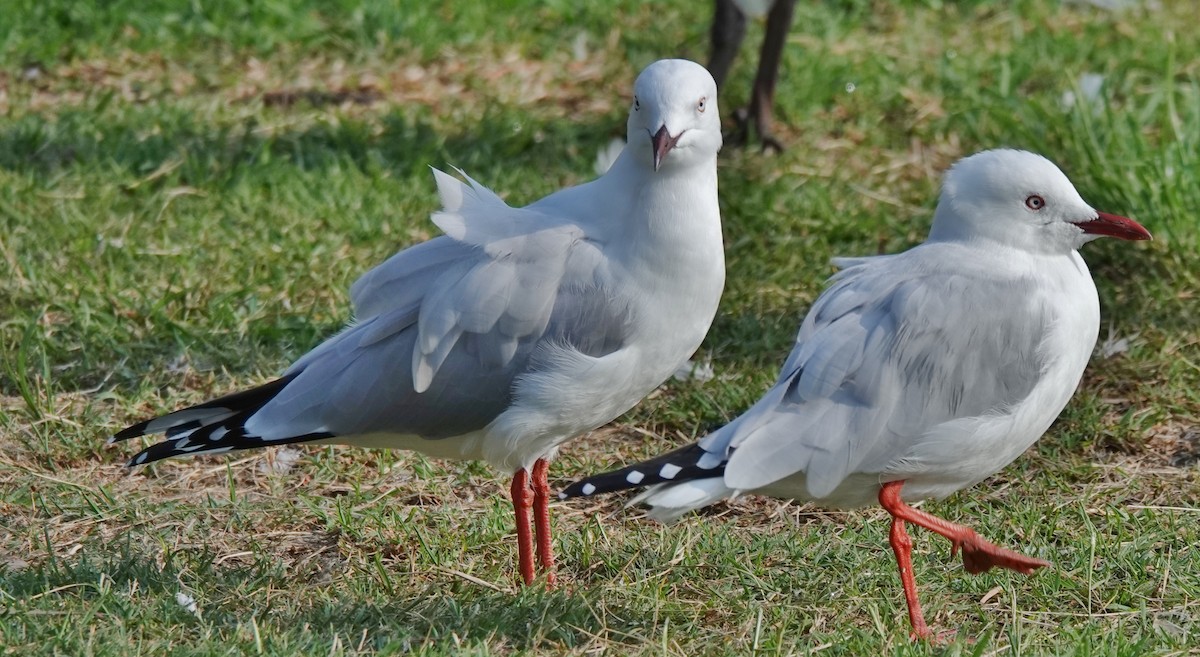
<point x="444" y="328"/>
<point x="887" y="353"/>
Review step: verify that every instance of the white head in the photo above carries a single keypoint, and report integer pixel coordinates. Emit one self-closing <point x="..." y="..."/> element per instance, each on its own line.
<point x="674" y="110"/>
<point x="1020" y="199"/>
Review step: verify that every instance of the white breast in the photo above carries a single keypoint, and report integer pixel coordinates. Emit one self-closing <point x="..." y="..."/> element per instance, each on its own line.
<point x="960" y="453"/>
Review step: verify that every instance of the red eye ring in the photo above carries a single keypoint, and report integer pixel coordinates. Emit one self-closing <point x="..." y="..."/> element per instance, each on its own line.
<point x="1035" y="202"/>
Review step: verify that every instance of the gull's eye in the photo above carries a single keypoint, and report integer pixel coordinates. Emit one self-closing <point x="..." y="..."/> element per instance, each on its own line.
<point x="636" y="105"/>
<point x="1035" y="202"/>
<point x="702" y="104"/>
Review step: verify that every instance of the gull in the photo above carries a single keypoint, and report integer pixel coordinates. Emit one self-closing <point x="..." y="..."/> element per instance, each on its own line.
<point x="518" y="329"/>
<point x="917" y="374"/>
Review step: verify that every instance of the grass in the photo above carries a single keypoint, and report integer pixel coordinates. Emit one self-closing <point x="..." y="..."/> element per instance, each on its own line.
<point x="188" y="189"/>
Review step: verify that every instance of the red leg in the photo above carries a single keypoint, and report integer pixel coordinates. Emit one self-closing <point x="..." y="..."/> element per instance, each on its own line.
<point x="541" y="520"/>
<point x="902" y="546"/>
<point x="978" y="555"/>
<point x="521" y="503"/>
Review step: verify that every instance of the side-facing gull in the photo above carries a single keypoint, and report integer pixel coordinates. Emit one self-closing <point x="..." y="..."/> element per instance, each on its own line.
<point x="917" y="374"/>
<point x="518" y="329"/>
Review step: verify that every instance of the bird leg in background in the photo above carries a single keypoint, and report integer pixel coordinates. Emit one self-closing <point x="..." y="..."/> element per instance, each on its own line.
<point x="541" y="520"/>
<point x="902" y="546"/>
<point x="762" y="98"/>
<point x="522" y="500"/>
<point x="978" y="555"/>
<point x="728" y="30"/>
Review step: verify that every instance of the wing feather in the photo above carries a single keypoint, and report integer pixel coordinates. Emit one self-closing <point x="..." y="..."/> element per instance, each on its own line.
<point x="466" y="310"/>
<point x="882" y="358"/>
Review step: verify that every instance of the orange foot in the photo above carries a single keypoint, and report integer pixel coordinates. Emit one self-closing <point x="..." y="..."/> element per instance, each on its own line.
<point x="980" y="556"/>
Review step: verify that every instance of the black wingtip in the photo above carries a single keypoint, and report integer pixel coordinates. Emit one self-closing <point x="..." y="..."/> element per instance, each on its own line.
<point x="203" y="441"/>
<point x="132" y="431"/>
<point x="252" y="398"/>
<point x="686" y="463"/>
<point x="213" y="427"/>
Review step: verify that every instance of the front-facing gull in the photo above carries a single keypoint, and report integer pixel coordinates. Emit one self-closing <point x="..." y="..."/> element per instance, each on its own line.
<point x="518" y="329"/>
<point x="917" y="374"/>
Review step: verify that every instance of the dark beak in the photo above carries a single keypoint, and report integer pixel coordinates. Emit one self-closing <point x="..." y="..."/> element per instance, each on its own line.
<point x="663" y="142"/>
<point x="1116" y="226"/>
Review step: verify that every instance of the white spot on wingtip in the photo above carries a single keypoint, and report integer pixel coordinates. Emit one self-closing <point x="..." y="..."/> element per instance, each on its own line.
<point x="186" y="434"/>
<point x="422" y="375"/>
<point x="709" y="461"/>
<point x="141" y="458"/>
<point x="634" y="477"/>
<point x="588" y="489"/>
<point x="218" y="434"/>
<point x="669" y="471"/>
<point x="112" y="440"/>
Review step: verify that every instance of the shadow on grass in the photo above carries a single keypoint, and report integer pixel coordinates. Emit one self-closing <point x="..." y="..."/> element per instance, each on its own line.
<point x="216" y="151"/>
<point x="441" y="613"/>
<point x="752" y="340"/>
<point x="527" y="620"/>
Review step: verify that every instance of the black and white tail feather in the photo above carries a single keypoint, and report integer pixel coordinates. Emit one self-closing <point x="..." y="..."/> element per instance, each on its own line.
<point x="213" y="427"/>
<point x="678" y="481"/>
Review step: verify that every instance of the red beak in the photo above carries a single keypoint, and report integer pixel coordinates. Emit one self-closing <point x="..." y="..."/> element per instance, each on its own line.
<point x="663" y="142"/>
<point x="1116" y="226"/>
